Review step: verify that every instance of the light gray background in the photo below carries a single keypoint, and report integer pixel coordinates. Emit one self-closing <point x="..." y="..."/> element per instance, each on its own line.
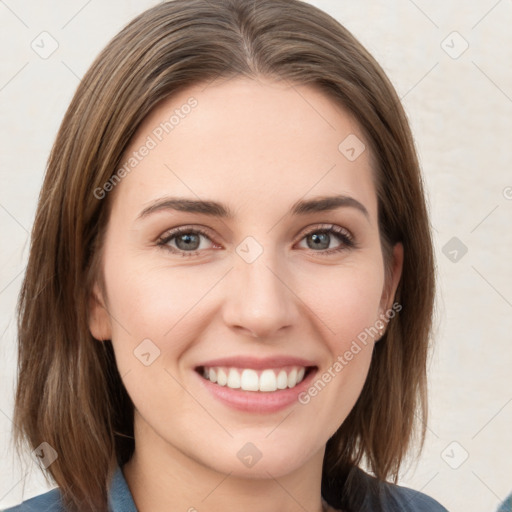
<point x="460" y="108"/>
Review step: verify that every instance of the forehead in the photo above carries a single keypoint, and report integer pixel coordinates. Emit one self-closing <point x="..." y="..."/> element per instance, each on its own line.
<point x="243" y="141"/>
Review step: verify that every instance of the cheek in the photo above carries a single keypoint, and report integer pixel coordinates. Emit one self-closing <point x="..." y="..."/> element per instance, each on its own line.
<point x="165" y="303"/>
<point x="348" y="307"/>
<point x="346" y="301"/>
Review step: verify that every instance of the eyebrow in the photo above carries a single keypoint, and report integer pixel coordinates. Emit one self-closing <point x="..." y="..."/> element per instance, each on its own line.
<point x="215" y="209"/>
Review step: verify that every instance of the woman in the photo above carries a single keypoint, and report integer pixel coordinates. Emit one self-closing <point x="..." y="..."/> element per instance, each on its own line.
<point x="231" y="279"/>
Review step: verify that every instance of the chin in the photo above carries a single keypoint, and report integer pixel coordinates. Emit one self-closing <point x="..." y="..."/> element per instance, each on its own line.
<point x="261" y="458"/>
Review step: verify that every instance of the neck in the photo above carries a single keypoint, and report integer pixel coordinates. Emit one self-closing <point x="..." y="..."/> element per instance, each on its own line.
<point x="162" y="478"/>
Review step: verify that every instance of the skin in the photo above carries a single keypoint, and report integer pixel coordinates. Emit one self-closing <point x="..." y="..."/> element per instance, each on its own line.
<point x="257" y="146"/>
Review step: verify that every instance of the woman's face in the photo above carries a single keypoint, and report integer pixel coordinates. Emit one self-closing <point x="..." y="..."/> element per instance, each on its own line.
<point x="263" y="296"/>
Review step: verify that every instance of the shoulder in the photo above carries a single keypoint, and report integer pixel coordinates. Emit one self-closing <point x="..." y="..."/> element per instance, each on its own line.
<point x="506" y="506"/>
<point x="404" y="499"/>
<point x="120" y="498"/>
<point x="396" y="498"/>
<point x="370" y="494"/>
<point x="49" y="502"/>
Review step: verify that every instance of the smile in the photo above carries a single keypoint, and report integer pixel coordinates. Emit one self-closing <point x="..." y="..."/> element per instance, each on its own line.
<point x="248" y="379"/>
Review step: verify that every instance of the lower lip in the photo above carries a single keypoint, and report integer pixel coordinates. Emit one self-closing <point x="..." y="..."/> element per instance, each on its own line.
<point x="257" y="401"/>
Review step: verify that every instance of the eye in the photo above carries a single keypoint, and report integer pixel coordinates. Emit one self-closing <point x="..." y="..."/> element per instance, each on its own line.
<point x="187" y="241"/>
<point x="322" y="236"/>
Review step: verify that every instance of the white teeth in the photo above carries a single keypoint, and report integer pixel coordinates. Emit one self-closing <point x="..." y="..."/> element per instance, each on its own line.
<point x="249" y="381"/>
<point x="282" y="380"/>
<point x="233" y="379"/>
<point x="222" y="378"/>
<point x="268" y="380"/>
<point x="292" y="378"/>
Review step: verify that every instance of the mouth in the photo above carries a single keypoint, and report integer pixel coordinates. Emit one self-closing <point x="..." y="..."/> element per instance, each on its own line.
<point x="256" y="385"/>
<point x="264" y="380"/>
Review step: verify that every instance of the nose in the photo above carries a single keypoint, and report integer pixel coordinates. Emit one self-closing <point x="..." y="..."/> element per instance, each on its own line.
<point x="260" y="299"/>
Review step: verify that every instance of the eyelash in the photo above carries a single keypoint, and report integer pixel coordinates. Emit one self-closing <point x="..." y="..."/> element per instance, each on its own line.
<point x="342" y="234"/>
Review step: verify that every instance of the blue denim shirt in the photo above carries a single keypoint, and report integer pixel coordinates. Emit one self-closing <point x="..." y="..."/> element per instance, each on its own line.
<point x="398" y="499"/>
<point x="120" y="499"/>
<point x="506" y="506"/>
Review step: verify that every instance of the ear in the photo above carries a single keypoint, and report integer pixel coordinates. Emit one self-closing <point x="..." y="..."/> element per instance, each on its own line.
<point x="390" y="287"/>
<point x="99" y="319"/>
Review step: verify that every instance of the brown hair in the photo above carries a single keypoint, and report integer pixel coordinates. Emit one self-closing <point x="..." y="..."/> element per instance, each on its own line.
<point x="69" y="392"/>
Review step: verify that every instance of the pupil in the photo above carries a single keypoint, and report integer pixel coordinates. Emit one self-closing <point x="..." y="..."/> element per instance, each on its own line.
<point x="188" y="241"/>
<point x="323" y="238"/>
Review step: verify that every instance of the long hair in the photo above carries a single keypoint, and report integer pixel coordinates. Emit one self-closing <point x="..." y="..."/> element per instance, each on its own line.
<point x="69" y="393"/>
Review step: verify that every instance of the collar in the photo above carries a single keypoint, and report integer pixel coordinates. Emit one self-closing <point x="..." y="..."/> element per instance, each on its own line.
<point x="120" y="498"/>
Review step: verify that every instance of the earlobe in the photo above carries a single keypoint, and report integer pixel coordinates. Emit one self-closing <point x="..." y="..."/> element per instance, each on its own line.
<point x="99" y="319"/>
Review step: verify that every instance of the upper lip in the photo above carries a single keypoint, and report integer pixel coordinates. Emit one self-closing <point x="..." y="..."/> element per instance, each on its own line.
<point x="257" y="363"/>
